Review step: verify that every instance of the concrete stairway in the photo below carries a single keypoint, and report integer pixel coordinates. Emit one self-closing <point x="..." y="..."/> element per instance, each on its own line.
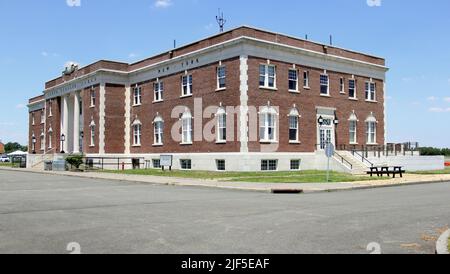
<point x="359" y="168"/>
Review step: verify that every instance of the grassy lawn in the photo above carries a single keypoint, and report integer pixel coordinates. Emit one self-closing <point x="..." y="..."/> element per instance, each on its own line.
<point x="5" y="164"/>
<point x="448" y="244"/>
<point x="434" y="172"/>
<point x="310" y="176"/>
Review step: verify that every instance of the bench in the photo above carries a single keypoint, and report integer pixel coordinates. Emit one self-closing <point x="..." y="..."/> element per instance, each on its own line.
<point x="380" y="171"/>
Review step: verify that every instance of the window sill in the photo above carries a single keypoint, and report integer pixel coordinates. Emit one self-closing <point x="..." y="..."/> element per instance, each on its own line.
<point x="91" y="146"/>
<point x="343" y="93"/>
<point x="372" y="144"/>
<point x="268" y="142"/>
<point x="159" y="101"/>
<point x="268" y="88"/>
<point x="353" y="144"/>
<point x="158" y="145"/>
<point x="221" y="89"/>
<point x="371" y="101"/>
<point x="186" y="144"/>
<point x="221" y="142"/>
<point x="137" y="105"/>
<point x="295" y="142"/>
<point x="92" y="106"/>
<point x="186" y="96"/>
<point x="305" y="87"/>
<point x="353" y="99"/>
<point x="136" y="145"/>
<point x="294" y="91"/>
<point x="325" y="95"/>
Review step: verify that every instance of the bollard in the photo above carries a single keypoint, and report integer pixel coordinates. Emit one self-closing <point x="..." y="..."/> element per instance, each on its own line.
<point x="123" y="166"/>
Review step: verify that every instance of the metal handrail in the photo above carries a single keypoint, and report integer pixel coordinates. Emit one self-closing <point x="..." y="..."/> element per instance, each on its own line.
<point x="343" y="160"/>
<point x="363" y="159"/>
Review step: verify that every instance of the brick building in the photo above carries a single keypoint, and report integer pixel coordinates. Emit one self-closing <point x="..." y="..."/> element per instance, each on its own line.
<point x="246" y="99"/>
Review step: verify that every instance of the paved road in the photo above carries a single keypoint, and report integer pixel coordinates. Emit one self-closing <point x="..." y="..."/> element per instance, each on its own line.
<point x="42" y="214"/>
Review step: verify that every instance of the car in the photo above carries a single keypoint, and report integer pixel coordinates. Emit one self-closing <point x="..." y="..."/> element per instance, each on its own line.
<point x="4" y="159"/>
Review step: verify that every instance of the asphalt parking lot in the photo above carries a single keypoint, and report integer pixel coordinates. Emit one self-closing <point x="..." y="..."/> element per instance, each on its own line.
<point x="43" y="214"/>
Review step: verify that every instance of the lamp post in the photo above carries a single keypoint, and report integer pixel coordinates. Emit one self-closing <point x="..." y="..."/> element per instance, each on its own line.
<point x="336" y="123"/>
<point x="33" y="140"/>
<point x="63" y="138"/>
<point x="81" y="141"/>
<point x="320" y="122"/>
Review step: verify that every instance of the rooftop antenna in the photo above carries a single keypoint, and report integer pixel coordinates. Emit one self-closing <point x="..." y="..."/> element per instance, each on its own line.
<point x="331" y="40"/>
<point x="306" y="36"/>
<point x="221" y="20"/>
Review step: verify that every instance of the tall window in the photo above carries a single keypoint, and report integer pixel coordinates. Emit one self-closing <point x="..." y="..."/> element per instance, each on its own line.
<point x="186" y="85"/>
<point x="341" y="85"/>
<point x="293" y="125"/>
<point x="92" y="135"/>
<point x="306" y="79"/>
<point x="158" y="89"/>
<point x="352" y="88"/>
<point x="50" y="106"/>
<point x="324" y="84"/>
<point x="32" y="119"/>
<point x="267" y="76"/>
<point x="42" y="116"/>
<point x="371" y="130"/>
<point x="137" y="96"/>
<point x="221" y="125"/>
<point x="158" y="124"/>
<point x="221" y="77"/>
<point x="370" y="91"/>
<point x="293" y="80"/>
<point x="92" y="93"/>
<point x="186" y="127"/>
<point x="352" y="131"/>
<point x="268" y="125"/>
<point x="42" y="141"/>
<point x="137" y="133"/>
<point x="49" y="140"/>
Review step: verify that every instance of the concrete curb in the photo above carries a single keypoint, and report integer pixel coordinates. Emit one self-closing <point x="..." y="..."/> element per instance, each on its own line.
<point x="294" y="190"/>
<point x="442" y="243"/>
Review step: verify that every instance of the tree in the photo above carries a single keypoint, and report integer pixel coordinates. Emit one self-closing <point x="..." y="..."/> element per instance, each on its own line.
<point x="11" y="147"/>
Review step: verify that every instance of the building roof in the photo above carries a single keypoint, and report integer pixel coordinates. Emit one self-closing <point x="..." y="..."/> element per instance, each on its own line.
<point x="243" y="31"/>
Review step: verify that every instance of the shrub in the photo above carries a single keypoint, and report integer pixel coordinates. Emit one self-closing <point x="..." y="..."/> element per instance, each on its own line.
<point x="75" y="160"/>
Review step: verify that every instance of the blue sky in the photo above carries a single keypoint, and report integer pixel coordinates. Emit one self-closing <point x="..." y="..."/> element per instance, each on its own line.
<point x="39" y="37"/>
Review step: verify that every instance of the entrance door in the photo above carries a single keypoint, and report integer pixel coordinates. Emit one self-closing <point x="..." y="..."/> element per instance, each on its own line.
<point x="326" y="133"/>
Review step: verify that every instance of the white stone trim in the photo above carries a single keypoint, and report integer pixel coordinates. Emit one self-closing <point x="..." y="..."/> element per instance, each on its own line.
<point x="102" y="114"/>
<point x="243" y="88"/>
<point x="127" y="127"/>
<point x="385" y="113"/>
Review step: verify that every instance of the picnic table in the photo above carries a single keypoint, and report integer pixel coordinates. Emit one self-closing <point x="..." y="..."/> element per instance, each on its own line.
<point x="386" y="170"/>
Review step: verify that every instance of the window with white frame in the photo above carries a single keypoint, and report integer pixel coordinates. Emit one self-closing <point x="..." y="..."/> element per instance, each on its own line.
<point x="42" y="116"/>
<point x="371" y="130"/>
<point x="221" y="165"/>
<point x="156" y="163"/>
<point x="269" y="165"/>
<point x="158" y="125"/>
<point x="370" y="91"/>
<point x="42" y="141"/>
<point x="186" y="85"/>
<point x="50" y="107"/>
<point x="267" y="76"/>
<point x="353" y="131"/>
<point x="32" y="119"/>
<point x="342" y="85"/>
<point x="293" y="125"/>
<point x="137" y="95"/>
<point x="295" y="164"/>
<point x="186" y="127"/>
<point x="221" y="77"/>
<point x="158" y="89"/>
<point x="92" y="134"/>
<point x="293" y="80"/>
<point x="268" y="122"/>
<point x="137" y="133"/>
<point x="221" y="125"/>
<point x="92" y="96"/>
<point x="306" y="79"/>
<point x="352" y="88"/>
<point x="324" y="85"/>
<point x="186" y="164"/>
<point x="49" y="138"/>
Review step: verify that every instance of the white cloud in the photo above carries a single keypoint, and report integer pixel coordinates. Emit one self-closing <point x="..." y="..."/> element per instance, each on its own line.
<point x="20" y="106"/>
<point x="447" y="99"/>
<point x="44" y="53"/>
<point x="432" y="98"/>
<point x="439" y="110"/>
<point x="163" y="3"/>
<point x="132" y="55"/>
<point x="374" y="3"/>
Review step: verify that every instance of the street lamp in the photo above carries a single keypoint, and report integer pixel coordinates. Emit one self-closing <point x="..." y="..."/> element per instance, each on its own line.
<point x="81" y="140"/>
<point x="63" y="138"/>
<point x="320" y="121"/>
<point x="33" y="140"/>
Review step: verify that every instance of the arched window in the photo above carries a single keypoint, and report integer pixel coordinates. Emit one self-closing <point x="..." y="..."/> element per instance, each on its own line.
<point x="158" y="127"/>
<point x="293" y="125"/>
<point x="221" y="129"/>
<point x="268" y="124"/>
<point x="137" y="132"/>
<point x="353" y="123"/>
<point x="92" y="135"/>
<point x="186" y="127"/>
<point x="50" y="135"/>
<point x="42" y="140"/>
<point x="371" y="129"/>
